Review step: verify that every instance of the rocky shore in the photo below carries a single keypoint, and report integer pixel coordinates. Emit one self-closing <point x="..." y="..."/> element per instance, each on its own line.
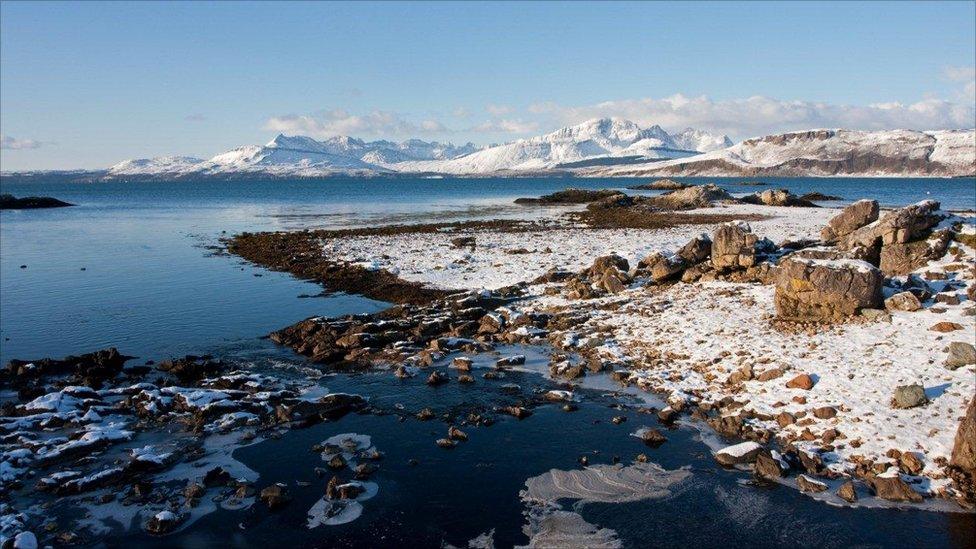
<point x="830" y="351"/>
<point x="751" y="337"/>
<point x="10" y="202"/>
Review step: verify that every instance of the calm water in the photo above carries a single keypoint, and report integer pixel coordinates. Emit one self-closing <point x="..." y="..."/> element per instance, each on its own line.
<point x="152" y="287"/>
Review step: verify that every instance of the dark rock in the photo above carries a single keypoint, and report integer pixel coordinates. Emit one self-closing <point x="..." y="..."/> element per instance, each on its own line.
<point x="275" y="496"/>
<point x="9" y="202"/>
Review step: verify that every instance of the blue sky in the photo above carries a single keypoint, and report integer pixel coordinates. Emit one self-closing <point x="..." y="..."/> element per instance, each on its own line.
<point x="88" y="84"/>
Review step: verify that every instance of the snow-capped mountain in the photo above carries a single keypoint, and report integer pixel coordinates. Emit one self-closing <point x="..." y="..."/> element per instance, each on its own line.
<point x="596" y="141"/>
<point x="600" y="141"/>
<point x="825" y="153"/>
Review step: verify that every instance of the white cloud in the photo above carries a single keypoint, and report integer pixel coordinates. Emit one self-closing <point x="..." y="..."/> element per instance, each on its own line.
<point x="513" y="126"/>
<point x="499" y="110"/>
<point x="759" y="115"/>
<point x="461" y="112"/>
<point x="12" y="143"/>
<point x="966" y="76"/>
<point x="341" y="122"/>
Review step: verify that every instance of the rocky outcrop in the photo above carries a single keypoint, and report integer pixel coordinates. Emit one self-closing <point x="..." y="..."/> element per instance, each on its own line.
<point x="962" y="463"/>
<point x="570" y="196"/>
<point x="9" y="202"/>
<point x="901" y="238"/>
<point x="87" y="368"/>
<point x="850" y="219"/>
<point x="733" y="246"/>
<point x="698" y="196"/>
<point x="828" y="290"/>
<point x="777" y="197"/>
<point x="660" y="185"/>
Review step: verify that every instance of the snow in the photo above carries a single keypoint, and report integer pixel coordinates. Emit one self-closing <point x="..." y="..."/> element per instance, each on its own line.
<point x="741" y="449"/>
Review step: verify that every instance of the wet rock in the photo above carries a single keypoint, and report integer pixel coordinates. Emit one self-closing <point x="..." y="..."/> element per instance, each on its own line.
<point x="462" y="363"/>
<point x="850" y="219"/>
<point x="163" y="523"/>
<point x="652" y="437"/>
<point x="617" y="420"/>
<point x="733" y="246"/>
<point x="847" y="492"/>
<point x="808" y="484"/>
<point x="193" y="491"/>
<point x="337" y="462"/>
<point x="745" y="452"/>
<point x="216" y="477"/>
<point x="465" y="378"/>
<point x="667" y="415"/>
<point x="517" y="411"/>
<point x="514" y="360"/>
<point x="909" y="396"/>
<point x="90" y="367"/>
<point x="192" y="368"/>
<point x="903" y="301"/>
<point x="445" y="443"/>
<point x="454" y="433"/>
<point x="436" y="378"/>
<point x="275" y="496"/>
<point x="960" y="354"/>
<point x="802" y="381"/>
<point x="311" y="411"/>
<point x="425" y="414"/>
<point x="768" y="467"/>
<point x="10" y="202"/>
<point x="831" y="290"/>
<point x="893" y="488"/>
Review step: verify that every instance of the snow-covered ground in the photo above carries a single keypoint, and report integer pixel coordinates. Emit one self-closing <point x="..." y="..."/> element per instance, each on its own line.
<point x="430" y="258"/>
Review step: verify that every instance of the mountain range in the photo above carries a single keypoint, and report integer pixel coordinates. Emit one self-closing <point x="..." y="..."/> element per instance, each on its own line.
<point x="602" y="147"/>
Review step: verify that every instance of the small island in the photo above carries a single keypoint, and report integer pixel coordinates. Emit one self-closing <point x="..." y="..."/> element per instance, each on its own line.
<point x="10" y="202"/>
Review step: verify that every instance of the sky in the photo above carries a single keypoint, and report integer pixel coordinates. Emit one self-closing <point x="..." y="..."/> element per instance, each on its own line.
<point x="86" y="85"/>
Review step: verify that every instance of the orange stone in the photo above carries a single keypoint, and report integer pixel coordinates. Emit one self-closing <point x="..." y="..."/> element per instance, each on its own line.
<point x="802" y="381"/>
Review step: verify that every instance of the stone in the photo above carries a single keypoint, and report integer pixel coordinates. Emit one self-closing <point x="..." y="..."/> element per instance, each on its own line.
<point x="163" y="522"/>
<point x="274" y="496"/>
<point x="462" y="363"/>
<point x="652" y="437"/>
<point x="771" y="374"/>
<point x="808" y="484"/>
<point x="777" y="197"/>
<point x="785" y="418"/>
<point x="697" y="250"/>
<point x="910" y="463"/>
<point x="903" y="258"/>
<point x="847" y="492"/>
<point x="828" y="290"/>
<point x="850" y="219"/>
<point x="602" y="264"/>
<point x="960" y="354"/>
<point x="768" y="467"/>
<point x="802" y="381"/>
<point x="660" y="267"/>
<point x="897" y="226"/>
<point x="437" y="378"/>
<point x="944" y="327"/>
<point x="697" y="196"/>
<point x="463" y="242"/>
<point x="733" y="246"/>
<point x="445" y="443"/>
<point x="908" y="396"/>
<point x="825" y="412"/>
<point x="964" y="447"/>
<point x="903" y="301"/>
<point x="893" y="488"/>
<point x="875" y="315"/>
<point x="736" y="454"/>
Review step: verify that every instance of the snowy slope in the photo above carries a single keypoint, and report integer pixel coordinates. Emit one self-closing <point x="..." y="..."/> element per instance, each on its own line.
<point x="828" y="152"/>
<point x="597" y="138"/>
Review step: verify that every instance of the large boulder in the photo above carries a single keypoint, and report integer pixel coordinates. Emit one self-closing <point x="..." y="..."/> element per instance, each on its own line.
<point x="823" y="289"/>
<point x="897" y="226"/>
<point x="903" y="258"/>
<point x="734" y="246"/>
<point x="696" y="250"/>
<point x="699" y="196"/>
<point x="962" y="463"/>
<point x="850" y="219"/>
<point x="660" y="267"/>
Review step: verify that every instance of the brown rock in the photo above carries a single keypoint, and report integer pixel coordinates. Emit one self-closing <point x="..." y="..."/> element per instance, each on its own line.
<point x="850" y="219"/>
<point x="910" y="463"/>
<point x="903" y="301"/>
<point x="893" y="488"/>
<point x="946" y="327"/>
<point x="274" y="496"/>
<point x="785" y="418"/>
<point x="847" y="492"/>
<point x="808" y="484"/>
<point x="825" y="412"/>
<point x="964" y="446"/>
<point x="733" y="246"/>
<point x="768" y="467"/>
<point x="802" y="381"/>
<point x="812" y="289"/>
<point x="770" y="374"/>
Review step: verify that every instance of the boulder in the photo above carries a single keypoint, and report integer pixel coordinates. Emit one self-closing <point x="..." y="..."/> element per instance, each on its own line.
<point x="964" y="447"/>
<point x="960" y="354"/>
<point x="733" y="246"/>
<point x="908" y="396"/>
<point x="768" y="467"/>
<point x="660" y="267"/>
<point x="847" y="492"/>
<point x="903" y="258"/>
<point x="662" y="185"/>
<point x="831" y="290"/>
<point x="802" y="381"/>
<point x="893" y="488"/>
<point x="745" y="452"/>
<point x="777" y="197"/>
<point x="696" y="250"/>
<point x="808" y="484"/>
<point x="897" y="226"/>
<point x="275" y="496"/>
<point x="698" y="196"/>
<point x="163" y="522"/>
<point x="602" y="264"/>
<point x="850" y="219"/>
<point x="903" y="301"/>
